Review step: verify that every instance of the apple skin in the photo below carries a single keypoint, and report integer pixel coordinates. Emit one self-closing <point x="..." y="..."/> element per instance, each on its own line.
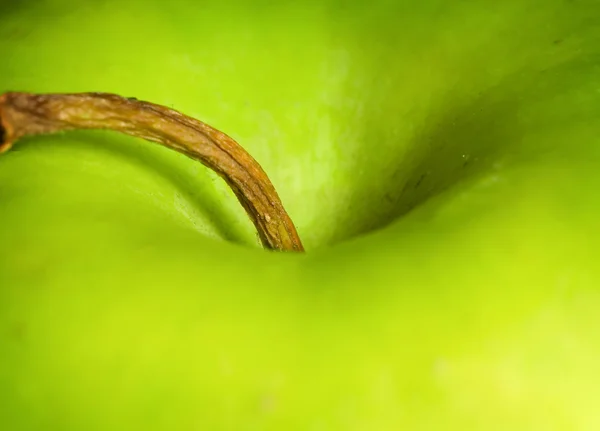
<point x="440" y="160"/>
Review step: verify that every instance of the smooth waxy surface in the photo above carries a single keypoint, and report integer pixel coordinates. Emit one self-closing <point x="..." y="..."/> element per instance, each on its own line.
<point x="121" y="307"/>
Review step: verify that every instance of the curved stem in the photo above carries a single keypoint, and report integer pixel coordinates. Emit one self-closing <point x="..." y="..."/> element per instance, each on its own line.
<point x="24" y="114"/>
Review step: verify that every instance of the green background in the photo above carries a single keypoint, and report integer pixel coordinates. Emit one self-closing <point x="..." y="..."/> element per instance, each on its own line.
<point x="439" y="159"/>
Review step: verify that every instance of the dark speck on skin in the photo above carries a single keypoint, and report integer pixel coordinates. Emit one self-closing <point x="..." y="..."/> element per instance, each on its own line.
<point x="405" y="188"/>
<point x="420" y="180"/>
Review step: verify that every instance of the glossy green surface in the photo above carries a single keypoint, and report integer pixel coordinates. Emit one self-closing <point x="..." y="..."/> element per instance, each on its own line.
<point x="439" y="158"/>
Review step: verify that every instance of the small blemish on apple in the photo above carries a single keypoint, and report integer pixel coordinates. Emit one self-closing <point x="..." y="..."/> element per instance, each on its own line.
<point x="466" y="158"/>
<point x="420" y="180"/>
<point x="406" y="185"/>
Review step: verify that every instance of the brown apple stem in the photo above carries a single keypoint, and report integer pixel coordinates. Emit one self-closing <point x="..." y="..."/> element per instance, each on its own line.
<point x="24" y="114"/>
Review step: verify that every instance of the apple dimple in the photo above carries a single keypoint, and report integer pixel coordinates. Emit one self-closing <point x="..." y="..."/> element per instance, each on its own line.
<point x="374" y="125"/>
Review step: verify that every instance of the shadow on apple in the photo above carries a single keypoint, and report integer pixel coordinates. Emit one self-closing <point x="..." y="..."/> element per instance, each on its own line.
<point x="458" y="144"/>
<point x="126" y="150"/>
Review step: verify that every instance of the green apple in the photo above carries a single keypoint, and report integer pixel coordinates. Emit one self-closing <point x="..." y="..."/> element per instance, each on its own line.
<point x="440" y="160"/>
